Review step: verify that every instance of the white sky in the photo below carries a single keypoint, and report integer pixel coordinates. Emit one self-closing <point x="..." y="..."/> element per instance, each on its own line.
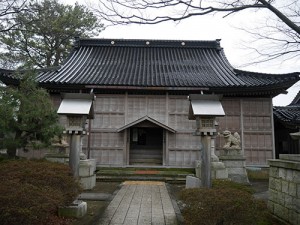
<point x="210" y="28"/>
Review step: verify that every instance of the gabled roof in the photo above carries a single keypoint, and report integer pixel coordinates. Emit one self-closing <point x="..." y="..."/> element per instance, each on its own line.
<point x="205" y="105"/>
<point x="289" y="115"/>
<point x="157" y="64"/>
<point x="146" y="118"/>
<point x="77" y="104"/>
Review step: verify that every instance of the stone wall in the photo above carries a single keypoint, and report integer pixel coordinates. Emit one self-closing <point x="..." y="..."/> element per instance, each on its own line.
<point x="284" y="188"/>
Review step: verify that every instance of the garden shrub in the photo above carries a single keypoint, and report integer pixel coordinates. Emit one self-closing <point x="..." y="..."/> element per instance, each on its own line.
<point x="32" y="191"/>
<point x="227" y="203"/>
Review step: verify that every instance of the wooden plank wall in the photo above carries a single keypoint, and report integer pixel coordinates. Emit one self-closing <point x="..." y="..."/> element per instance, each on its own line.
<point x="232" y="121"/>
<point x="184" y="148"/>
<point x="258" y="134"/>
<point x="250" y="117"/>
<point x="114" y="111"/>
<point x="106" y="145"/>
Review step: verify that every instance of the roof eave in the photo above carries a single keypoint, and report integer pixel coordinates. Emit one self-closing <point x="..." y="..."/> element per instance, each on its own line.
<point x="159" y="88"/>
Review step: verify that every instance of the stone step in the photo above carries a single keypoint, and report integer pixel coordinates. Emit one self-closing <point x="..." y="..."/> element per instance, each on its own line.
<point x="145" y="161"/>
<point x="145" y="151"/>
<point x="142" y="156"/>
<point x="146" y="147"/>
<point x="177" y="180"/>
<point x="143" y="173"/>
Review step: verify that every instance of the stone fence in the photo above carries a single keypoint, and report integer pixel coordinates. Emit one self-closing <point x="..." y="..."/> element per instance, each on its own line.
<point x="284" y="188"/>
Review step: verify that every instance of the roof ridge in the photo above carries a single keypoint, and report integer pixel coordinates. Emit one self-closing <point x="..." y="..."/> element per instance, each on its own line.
<point x="147" y="43"/>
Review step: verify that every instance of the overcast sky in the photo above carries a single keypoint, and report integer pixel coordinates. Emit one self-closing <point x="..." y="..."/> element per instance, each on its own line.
<point x="210" y="28"/>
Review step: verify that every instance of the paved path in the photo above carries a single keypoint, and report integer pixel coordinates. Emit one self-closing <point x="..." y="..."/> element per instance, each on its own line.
<point x="140" y="203"/>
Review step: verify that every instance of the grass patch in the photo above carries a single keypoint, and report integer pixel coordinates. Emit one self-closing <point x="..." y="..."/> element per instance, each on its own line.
<point x="258" y="174"/>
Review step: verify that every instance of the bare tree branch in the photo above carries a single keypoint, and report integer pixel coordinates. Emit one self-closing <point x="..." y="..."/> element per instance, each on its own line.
<point x="281" y="30"/>
<point x="133" y="11"/>
<point x="9" y="9"/>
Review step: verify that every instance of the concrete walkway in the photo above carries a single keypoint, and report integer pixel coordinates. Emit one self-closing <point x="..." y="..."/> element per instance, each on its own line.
<point x="140" y="203"/>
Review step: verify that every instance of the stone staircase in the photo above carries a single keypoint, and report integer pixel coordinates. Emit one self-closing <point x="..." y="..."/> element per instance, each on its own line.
<point x="170" y="175"/>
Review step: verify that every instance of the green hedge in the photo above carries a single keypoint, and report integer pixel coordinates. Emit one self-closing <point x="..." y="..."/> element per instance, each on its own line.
<point x="32" y="191"/>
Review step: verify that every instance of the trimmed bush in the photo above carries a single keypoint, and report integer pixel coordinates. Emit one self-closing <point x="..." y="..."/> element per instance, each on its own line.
<point x="32" y="191"/>
<point x="227" y="203"/>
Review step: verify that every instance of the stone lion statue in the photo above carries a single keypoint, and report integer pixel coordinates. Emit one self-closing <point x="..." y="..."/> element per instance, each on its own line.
<point x="232" y="142"/>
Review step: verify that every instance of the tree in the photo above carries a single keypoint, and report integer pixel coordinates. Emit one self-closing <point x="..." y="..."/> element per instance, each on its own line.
<point x="8" y="11"/>
<point x="27" y="116"/>
<point x="281" y="29"/>
<point x="43" y="36"/>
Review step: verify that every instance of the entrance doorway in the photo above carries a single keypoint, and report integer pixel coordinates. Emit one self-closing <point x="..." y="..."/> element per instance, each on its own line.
<point x="146" y="146"/>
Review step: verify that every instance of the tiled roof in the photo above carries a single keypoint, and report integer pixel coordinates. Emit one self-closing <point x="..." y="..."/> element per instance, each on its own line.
<point x="156" y="63"/>
<point x="289" y="115"/>
<point x="296" y="100"/>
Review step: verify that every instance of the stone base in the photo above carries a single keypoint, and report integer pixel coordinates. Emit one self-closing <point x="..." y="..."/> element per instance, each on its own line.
<point x="218" y="171"/>
<point x="87" y="174"/>
<point x="192" y="182"/>
<point x="87" y="167"/>
<point x="226" y="152"/>
<point x="77" y="209"/>
<point x="88" y="183"/>
<point x="235" y="165"/>
<point x="57" y="157"/>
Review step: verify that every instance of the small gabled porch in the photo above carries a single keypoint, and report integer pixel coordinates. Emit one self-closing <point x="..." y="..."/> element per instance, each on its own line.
<point x="146" y="142"/>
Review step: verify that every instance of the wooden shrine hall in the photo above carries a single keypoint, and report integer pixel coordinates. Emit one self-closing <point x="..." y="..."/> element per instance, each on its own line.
<point x="141" y="107"/>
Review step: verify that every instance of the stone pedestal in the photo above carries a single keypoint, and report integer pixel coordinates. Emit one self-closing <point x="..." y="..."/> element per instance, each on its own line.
<point x="218" y="170"/>
<point x="57" y="157"/>
<point x="235" y="164"/>
<point x="192" y="182"/>
<point x="87" y="174"/>
<point x="77" y="209"/>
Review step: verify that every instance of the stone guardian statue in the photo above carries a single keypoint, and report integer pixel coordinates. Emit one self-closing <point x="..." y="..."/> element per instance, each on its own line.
<point x="232" y="142"/>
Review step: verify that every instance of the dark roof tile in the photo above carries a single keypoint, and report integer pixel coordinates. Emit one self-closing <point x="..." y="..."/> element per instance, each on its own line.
<point x="289" y="114"/>
<point x="155" y="63"/>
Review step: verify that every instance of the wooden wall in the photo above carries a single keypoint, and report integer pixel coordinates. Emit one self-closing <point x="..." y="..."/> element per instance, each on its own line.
<point x="250" y="117"/>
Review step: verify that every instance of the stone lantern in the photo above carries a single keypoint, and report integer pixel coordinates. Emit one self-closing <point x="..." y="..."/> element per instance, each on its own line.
<point x="204" y="109"/>
<point x="78" y="108"/>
